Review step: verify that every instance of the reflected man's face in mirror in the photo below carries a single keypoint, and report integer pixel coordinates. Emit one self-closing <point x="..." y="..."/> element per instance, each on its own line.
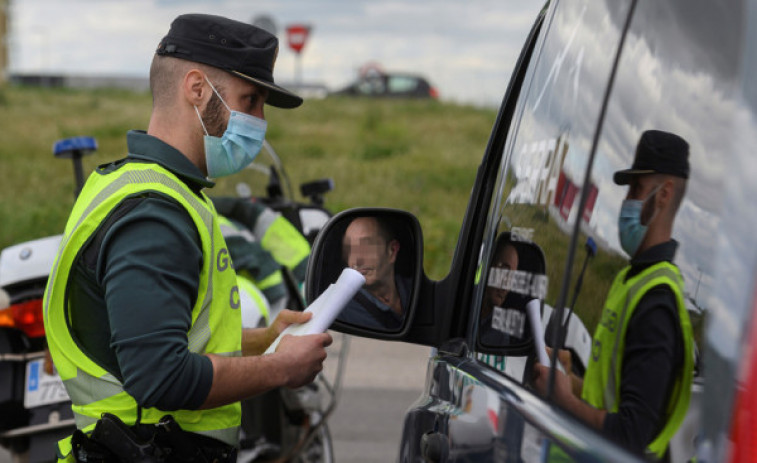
<point x="369" y="248"/>
<point x="506" y="257"/>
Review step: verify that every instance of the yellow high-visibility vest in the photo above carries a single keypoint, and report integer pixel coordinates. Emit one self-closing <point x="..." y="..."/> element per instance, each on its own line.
<point x="601" y="387"/>
<point x="216" y="319"/>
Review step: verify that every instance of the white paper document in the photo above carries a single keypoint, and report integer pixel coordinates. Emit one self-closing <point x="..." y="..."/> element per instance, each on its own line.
<point x="326" y="307"/>
<point x="534" y="315"/>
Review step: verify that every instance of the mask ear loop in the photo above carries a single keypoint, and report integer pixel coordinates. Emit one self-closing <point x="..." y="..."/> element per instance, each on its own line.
<point x="216" y="92"/>
<point x="654" y="192"/>
<point x="201" y="122"/>
<point x="219" y="97"/>
<point x="651" y="195"/>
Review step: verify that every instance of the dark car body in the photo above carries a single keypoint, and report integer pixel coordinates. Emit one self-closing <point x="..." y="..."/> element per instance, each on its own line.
<point x="591" y="77"/>
<point x="390" y="85"/>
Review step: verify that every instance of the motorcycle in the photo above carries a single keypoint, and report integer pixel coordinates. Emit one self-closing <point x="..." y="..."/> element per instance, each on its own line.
<point x="35" y="410"/>
<point x="291" y="424"/>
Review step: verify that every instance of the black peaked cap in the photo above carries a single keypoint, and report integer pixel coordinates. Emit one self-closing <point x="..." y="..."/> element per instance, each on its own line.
<point x="242" y="49"/>
<point x="657" y="152"/>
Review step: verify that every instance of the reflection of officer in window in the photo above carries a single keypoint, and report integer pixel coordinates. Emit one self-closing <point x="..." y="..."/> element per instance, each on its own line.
<point x="505" y="257"/>
<point x="638" y="382"/>
<point x="370" y="247"/>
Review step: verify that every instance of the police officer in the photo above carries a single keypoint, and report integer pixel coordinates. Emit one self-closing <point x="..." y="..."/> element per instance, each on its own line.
<point x="142" y="307"/>
<point x="637" y="385"/>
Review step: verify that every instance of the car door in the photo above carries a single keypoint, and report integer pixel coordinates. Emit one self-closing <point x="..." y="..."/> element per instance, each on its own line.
<point x="471" y="411"/>
<point x="480" y="407"/>
<point x="581" y="121"/>
<point x="592" y="78"/>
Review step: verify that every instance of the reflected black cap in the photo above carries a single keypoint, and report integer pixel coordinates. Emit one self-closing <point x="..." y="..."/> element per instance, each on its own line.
<point x="242" y="49"/>
<point x="658" y="152"/>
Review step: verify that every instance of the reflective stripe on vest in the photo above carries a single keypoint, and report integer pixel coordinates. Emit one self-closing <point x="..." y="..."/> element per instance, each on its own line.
<point x="230" y="229"/>
<point x="264" y="222"/>
<point x="603" y="373"/>
<point x="216" y="320"/>
<point x="255" y="298"/>
<point x="282" y="239"/>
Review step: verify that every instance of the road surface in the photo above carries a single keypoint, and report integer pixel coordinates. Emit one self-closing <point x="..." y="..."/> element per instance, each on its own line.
<point x="382" y="379"/>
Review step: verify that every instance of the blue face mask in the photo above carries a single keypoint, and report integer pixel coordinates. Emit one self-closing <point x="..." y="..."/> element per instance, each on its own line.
<point x="630" y="230"/>
<point x="239" y="145"/>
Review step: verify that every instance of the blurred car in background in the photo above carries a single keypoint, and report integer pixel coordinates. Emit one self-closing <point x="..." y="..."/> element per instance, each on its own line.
<point x="310" y="91"/>
<point x="374" y="82"/>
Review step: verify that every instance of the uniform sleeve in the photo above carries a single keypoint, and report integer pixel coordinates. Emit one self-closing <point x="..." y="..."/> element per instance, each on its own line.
<point x="251" y="257"/>
<point x="653" y="357"/>
<point x="149" y="266"/>
<point x="242" y="210"/>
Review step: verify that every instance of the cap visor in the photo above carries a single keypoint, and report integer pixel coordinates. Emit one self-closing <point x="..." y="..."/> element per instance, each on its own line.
<point x="277" y="96"/>
<point x="623" y="177"/>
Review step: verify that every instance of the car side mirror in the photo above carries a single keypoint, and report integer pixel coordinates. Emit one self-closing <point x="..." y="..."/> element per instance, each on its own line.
<point x="385" y="246"/>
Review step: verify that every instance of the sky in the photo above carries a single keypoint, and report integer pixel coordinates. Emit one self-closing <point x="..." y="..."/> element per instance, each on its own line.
<point x="466" y="49"/>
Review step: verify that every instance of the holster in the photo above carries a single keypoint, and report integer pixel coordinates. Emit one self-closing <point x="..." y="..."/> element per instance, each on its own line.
<point x="165" y="442"/>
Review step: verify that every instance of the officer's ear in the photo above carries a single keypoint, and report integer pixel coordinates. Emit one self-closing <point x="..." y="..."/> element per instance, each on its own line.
<point x="195" y="88"/>
<point x="665" y="194"/>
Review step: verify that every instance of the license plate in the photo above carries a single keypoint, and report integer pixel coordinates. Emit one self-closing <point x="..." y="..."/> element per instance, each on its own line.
<point x="41" y="388"/>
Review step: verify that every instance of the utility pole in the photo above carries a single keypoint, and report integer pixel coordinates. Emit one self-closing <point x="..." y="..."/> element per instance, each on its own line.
<point x="4" y="40"/>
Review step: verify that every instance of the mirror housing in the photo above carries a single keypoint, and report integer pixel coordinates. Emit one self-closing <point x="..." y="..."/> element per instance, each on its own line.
<point x="386" y="246"/>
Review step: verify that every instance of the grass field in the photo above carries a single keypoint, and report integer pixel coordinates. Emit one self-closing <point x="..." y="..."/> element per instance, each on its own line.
<point x="420" y="156"/>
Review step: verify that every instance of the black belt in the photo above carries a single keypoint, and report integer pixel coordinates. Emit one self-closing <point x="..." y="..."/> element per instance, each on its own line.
<point x="164" y="442"/>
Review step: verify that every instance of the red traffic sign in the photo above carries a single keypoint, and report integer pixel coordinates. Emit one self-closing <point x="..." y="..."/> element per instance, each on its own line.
<point x="297" y="35"/>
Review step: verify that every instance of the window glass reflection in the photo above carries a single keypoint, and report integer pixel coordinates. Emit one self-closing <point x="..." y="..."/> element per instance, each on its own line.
<point x="661" y="210"/>
<point x="546" y="160"/>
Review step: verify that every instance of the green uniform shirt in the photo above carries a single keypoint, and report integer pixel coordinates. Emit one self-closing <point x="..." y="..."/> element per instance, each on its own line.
<point x="148" y="288"/>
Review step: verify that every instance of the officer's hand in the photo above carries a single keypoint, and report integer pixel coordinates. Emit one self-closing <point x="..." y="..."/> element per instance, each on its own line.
<point x="563" y="389"/>
<point x="289" y="317"/>
<point x="283" y="319"/>
<point x="563" y="356"/>
<point x="303" y="357"/>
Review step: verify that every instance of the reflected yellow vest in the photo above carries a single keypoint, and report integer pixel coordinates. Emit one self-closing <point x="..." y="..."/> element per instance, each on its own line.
<point x="216" y="320"/>
<point x="602" y="380"/>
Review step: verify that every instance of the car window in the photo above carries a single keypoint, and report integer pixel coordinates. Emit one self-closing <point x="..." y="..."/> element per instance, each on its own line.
<point x="689" y="78"/>
<point x="402" y="84"/>
<point x="684" y="77"/>
<point x="541" y="177"/>
<point x="373" y="84"/>
<point x="660" y="88"/>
